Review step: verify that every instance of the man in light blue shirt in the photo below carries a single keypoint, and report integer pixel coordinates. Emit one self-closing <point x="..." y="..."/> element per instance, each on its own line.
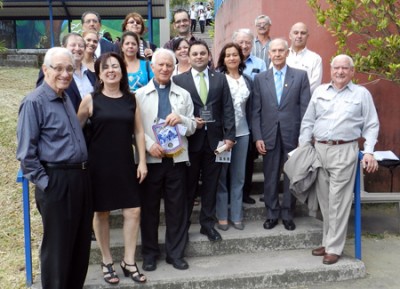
<point x="339" y="113"/>
<point x="245" y="39"/>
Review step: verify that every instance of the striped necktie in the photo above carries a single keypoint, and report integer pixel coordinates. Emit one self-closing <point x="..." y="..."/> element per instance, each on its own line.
<point x="278" y="85"/>
<point x="203" y="88"/>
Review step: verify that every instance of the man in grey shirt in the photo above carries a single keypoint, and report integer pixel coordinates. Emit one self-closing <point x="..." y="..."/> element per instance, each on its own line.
<point x="339" y="113"/>
<point x="53" y="156"/>
<point x="261" y="42"/>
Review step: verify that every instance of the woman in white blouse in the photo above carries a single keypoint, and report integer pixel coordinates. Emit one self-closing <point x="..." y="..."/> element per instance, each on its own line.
<point x="231" y="62"/>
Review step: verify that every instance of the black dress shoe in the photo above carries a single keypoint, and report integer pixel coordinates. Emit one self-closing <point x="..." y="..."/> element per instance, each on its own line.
<point x="211" y="233"/>
<point x="270" y="223"/>
<point x="179" y="264"/>
<point x="248" y="200"/>
<point x="289" y="225"/>
<point x="149" y="264"/>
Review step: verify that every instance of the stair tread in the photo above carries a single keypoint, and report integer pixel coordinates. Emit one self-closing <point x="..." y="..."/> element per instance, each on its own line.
<point x="258" y="270"/>
<point x="253" y="229"/>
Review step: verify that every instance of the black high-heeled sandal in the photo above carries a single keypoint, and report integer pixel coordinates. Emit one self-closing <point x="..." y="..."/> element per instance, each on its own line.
<point x="109" y="274"/>
<point x="135" y="275"/>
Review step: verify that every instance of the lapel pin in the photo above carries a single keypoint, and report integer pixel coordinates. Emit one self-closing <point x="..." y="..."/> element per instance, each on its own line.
<point x="285" y="84"/>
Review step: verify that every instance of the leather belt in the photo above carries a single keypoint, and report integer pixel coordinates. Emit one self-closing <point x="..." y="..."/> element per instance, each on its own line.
<point x="335" y="142"/>
<point x="67" y="166"/>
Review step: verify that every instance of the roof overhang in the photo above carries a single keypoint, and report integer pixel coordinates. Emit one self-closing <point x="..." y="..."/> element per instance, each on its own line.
<point x="73" y="9"/>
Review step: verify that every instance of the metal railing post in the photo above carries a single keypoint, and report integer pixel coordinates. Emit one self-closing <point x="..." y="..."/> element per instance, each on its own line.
<point x="27" y="227"/>
<point x="357" y="210"/>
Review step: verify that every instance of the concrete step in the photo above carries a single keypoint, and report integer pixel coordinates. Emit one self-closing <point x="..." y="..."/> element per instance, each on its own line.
<point x="260" y="270"/>
<point x="250" y="212"/>
<point x="254" y="238"/>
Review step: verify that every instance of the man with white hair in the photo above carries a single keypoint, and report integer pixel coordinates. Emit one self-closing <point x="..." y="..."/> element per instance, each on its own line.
<point x="162" y="99"/>
<point x="281" y="96"/>
<point x="339" y="113"/>
<point x="53" y="156"/>
<point x="301" y="57"/>
<point x="245" y="39"/>
<point x="254" y="65"/>
<point x="261" y="43"/>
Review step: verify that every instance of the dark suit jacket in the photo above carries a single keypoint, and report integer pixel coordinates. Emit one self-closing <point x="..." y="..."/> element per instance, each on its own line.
<point x="219" y="97"/>
<point x="107" y="46"/>
<point x="268" y="116"/>
<point x="72" y="90"/>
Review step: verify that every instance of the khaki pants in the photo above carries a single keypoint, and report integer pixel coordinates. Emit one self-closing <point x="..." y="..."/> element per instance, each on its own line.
<point x="335" y="188"/>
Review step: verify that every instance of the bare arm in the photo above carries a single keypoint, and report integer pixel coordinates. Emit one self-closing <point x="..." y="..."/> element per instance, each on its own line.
<point x="85" y="109"/>
<point x="140" y="145"/>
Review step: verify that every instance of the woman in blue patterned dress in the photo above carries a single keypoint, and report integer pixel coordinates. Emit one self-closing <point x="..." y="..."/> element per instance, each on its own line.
<point x="139" y="70"/>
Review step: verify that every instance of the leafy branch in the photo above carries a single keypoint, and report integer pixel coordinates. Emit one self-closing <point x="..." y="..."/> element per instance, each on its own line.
<point x="368" y="30"/>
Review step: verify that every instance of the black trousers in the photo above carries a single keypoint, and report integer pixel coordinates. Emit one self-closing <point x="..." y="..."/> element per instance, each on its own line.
<point x="272" y="166"/>
<point x="203" y="161"/>
<point x="168" y="180"/>
<point x="193" y="25"/>
<point x="252" y="154"/>
<point x="66" y="210"/>
<point x="202" y="25"/>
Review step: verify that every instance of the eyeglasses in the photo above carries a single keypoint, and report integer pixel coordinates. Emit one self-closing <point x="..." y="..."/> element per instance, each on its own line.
<point x="71" y="45"/>
<point x="61" y="69"/>
<point x="262" y="25"/>
<point x="182" y="21"/>
<point x="132" y="22"/>
<point x="95" y="21"/>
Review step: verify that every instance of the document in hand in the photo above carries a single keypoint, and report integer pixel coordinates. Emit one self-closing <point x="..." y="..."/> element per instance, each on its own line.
<point x="385" y="155"/>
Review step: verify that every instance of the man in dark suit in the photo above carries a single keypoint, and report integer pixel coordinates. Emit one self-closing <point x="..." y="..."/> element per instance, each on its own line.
<point x="92" y="21"/>
<point x="215" y="118"/>
<point x="281" y="96"/>
<point x="83" y="79"/>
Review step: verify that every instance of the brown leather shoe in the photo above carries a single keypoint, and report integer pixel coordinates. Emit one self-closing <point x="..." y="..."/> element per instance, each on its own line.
<point x="320" y="251"/>
<point x="330" y="259"/>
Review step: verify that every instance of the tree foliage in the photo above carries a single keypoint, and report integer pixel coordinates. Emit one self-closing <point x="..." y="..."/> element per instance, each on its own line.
<point x="183" y="3"/>
<point x="368" y="30"/>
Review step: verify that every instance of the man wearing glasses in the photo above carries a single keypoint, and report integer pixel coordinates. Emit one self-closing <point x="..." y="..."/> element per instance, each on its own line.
<point x="53" y="156"/>
<point x="261" y="43"/>
<point x="182" y="26"/>
<point x="91" y="21"/>
<point x="83" y="79"/>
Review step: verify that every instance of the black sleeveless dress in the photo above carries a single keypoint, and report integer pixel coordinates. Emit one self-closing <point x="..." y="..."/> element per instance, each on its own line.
<point x="111" y="160"/>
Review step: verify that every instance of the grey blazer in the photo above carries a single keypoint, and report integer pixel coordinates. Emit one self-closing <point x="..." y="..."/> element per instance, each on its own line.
<point x="268" y="116"/>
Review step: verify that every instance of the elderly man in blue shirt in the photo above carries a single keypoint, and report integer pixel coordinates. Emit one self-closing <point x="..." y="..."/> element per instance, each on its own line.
<point x="245" y="38"/>
<point x="53" y="156"/>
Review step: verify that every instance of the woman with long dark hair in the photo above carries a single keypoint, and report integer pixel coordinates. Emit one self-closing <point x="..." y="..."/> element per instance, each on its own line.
<point x="115" y="117"/>
<point x="138" y="68"/>
<point x="231" y="63"/>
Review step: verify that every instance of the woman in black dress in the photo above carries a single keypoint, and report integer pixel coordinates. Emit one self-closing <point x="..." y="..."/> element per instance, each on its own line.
<point x="114" y="118"/>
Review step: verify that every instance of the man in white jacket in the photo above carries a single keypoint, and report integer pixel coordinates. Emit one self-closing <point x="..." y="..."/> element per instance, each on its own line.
<point x="162" y="101"/>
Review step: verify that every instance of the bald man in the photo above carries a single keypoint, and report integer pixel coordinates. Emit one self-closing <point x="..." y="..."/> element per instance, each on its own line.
<point x="302" y="58"/>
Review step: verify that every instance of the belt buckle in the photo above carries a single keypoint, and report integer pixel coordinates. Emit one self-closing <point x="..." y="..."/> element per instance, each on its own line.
<point x="84" y="165"/>
<point x="330" y="142"/>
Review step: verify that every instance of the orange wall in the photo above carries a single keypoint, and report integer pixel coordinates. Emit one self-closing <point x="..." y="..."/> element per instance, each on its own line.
<point x="235" y="14"/>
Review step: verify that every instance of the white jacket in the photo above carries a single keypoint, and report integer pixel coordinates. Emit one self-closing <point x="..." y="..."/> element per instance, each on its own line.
<point x="181" y="103"/>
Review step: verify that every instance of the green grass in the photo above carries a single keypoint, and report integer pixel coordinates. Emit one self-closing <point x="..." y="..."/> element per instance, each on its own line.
<point x="14" y="85"/>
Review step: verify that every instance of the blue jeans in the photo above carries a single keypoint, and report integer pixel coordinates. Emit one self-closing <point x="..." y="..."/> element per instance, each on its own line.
<point x="236" y="170"/>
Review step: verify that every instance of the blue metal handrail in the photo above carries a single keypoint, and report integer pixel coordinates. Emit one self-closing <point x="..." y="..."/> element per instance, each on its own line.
<point x="27" y="220"/>
<point x="357" y="210"/>
<point x="27" y="227"/>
